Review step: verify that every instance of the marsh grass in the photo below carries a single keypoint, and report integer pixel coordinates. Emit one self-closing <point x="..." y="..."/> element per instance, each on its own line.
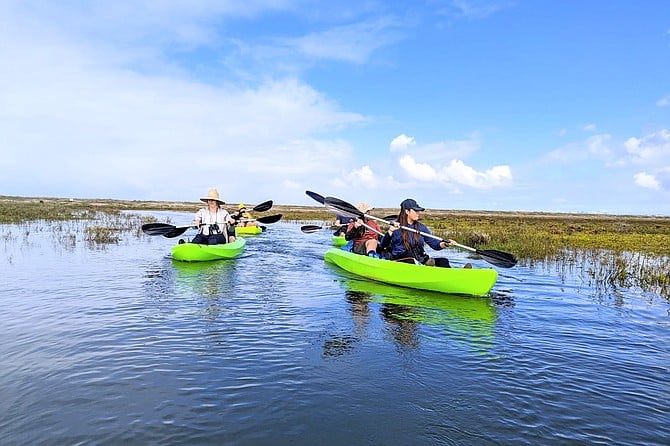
<point x="620" y="251"/>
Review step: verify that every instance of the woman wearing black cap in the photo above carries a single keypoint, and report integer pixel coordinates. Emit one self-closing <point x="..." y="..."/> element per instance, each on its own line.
<point x="407" y="246"/>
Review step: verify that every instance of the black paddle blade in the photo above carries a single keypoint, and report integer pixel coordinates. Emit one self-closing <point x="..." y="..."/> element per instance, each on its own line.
<point x="176" y="232"/>
<point x="341" y="207"/>
<point x="269" y="219"/>
<point x="262" y="207"/>
<point x="391" y="218"/>
<point x="315" y="196"/>
<point x="308" y="229"/>
<point x="498" y="258"/>
<point x="157" y="228"/>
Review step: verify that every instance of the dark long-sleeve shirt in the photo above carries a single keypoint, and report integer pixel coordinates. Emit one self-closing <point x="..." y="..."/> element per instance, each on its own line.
<point x="394" y="243"/>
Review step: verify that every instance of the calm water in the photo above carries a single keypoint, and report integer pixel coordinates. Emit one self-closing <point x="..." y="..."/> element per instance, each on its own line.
<point x="103" y="345"/>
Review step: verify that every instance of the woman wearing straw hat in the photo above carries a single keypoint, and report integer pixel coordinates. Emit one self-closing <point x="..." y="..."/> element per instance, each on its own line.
<point x="213" y="221"/>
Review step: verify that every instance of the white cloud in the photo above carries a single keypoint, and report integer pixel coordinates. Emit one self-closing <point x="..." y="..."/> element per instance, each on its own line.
<point x="435" y="151"/>
<point x="594" y="147"/>
<point x="589" y="128"/>
<point x="352" y="43"/>
<point x="653" y="148"/>
<point x="477" y="9"/>
<point x="456" y="173"/>
<point x="401" y="142"/>
<point x="664" y="101"/>
<point x="121" y="129"/>
<point x="643" y="179"/>
<point x="363" y="177"/>
<point x="418" y="171"/>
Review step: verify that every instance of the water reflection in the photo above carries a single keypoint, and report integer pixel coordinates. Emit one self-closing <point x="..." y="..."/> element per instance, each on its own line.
<point x="409" y="314"/>
<point x="208" y="279"/>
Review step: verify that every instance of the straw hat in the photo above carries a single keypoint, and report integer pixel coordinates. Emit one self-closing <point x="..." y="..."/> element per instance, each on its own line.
<point x="364" y="207"/>
<point x="212" y="194"/>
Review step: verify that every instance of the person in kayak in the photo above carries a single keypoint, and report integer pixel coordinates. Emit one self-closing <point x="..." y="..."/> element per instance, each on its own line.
<point x="341" y="223"/>
<point x="213" y="222"/>
<point x="244" y="214"/>
<point x="408" y="246"/>
<point x="364" y="233"/>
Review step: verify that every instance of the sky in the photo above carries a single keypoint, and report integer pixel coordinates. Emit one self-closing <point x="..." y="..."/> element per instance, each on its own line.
<point x="499" y="105"/>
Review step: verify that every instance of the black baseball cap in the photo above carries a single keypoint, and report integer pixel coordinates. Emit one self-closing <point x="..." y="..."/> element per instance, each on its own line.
<point x="411" y="204"/>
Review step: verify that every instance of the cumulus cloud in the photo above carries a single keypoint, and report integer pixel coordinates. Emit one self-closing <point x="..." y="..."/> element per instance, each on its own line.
<point x="456" y="173"/>
<point x="643" y="179"/>
<point x="651" y="148"/>
<point x="419" y="171"/>
<point x="401" y="142"/>
<point x="363" y="177"/>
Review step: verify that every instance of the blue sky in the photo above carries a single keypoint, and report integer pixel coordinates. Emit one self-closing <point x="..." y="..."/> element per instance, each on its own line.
<point x="557" y="106"/>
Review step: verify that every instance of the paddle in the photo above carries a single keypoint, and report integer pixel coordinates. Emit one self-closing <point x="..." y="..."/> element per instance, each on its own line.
<point x="308" y="229"/>
<point x="315" y="196"/>
<point x="319" y="198"/>
<point x="493" y="256"/>
<point x="262" y="207"/>
<point x="163" y="228"/>
<point x="268" y="219"/>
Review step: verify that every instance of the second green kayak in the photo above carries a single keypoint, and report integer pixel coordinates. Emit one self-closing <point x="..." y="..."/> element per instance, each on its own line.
<point x="338" y="240"/>
<point x="248" y="230"/>
<point x="192" y="252"/>
<point x="471" y="281"/>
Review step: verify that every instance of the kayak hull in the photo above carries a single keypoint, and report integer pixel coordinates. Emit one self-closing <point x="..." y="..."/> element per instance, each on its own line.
<point x="468" y="281"/>
<point x="192" y="252"/>
<point x="248" y="230"/>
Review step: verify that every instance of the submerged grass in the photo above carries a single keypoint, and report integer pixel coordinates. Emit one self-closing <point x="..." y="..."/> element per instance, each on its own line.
<point x="623" y="251"/>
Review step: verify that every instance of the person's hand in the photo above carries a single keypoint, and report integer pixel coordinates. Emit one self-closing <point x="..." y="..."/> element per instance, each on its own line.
<point x="446" y="243"/>
<point x="393" y="226"/>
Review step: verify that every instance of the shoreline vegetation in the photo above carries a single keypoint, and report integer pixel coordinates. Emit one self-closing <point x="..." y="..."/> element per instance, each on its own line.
<point x="613" y="250"/>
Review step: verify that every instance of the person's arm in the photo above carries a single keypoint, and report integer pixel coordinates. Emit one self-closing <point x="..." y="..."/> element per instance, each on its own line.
<point x="434" y="243"/>
<point x="388" y="235"/>
<point x="197" y="220"/>
<point x="374" y="225"/>
<point x="352" y="231"/>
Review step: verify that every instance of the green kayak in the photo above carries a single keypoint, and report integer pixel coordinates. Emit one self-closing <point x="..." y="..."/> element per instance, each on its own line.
<point x="248" y="230"/>
<point x="338" y="240"/>
<point x="472" y="281"/>
<point x="191" y="252"/>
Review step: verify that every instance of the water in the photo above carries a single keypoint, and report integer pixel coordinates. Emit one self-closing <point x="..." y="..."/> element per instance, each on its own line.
<point x="112" y="344"/>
